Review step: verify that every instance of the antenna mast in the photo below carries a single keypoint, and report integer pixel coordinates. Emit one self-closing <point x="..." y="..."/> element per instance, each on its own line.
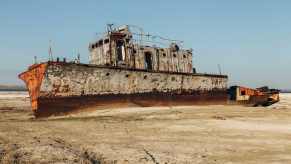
<point x="219" y="69"/>
<point x="79" y="58"/>
<point x="35" y="60"/>
<point x="50" y="52"/>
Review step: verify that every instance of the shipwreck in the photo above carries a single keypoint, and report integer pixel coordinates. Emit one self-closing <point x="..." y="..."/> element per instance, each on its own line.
<point x="122" y="71"/>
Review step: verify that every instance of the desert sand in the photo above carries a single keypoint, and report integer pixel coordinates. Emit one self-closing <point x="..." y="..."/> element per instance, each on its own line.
<point x="185" y="134"/>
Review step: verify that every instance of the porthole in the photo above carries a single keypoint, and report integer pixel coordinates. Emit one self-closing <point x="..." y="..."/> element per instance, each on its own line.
<point x="127" y="75"/>
<point x="164" y="54"/>
<point x="107" y="74"/>
<point x="174" y="55"/>
<point x="145" y="77"/>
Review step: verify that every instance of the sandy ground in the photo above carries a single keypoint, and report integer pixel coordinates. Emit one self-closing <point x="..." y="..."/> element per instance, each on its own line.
<point x="190" y="134"/>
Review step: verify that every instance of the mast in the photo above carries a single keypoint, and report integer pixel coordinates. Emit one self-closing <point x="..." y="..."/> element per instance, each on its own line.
<point x="50" y="52"/>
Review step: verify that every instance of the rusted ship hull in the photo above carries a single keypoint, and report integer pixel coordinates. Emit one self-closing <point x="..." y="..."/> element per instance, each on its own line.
<point x="64" y="105"/>
<point x="57" y="88"/>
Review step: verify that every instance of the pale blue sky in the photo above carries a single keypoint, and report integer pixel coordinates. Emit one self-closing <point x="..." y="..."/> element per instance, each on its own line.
<point x="250" y="39"/>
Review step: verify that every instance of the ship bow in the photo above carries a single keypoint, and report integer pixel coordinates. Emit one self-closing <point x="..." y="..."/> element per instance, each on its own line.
<point x="33" y="79"/>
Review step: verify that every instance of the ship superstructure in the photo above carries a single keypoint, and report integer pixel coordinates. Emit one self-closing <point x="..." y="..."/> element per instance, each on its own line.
<point x="119" y="49"/>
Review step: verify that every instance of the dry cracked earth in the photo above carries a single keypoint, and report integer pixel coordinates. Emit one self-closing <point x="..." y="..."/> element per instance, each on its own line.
<point x="189" y="134"/>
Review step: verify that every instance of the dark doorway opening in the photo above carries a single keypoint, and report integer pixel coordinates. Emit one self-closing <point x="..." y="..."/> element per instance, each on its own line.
<point x="148" y="61"/>
<point x="119" y="45"/>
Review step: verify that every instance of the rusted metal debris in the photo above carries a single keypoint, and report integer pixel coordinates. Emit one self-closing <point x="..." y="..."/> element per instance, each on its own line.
<point x="261" y="96"/>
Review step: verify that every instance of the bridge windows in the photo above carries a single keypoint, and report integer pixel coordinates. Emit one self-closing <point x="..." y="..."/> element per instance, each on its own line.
<point x="100" y="43"/>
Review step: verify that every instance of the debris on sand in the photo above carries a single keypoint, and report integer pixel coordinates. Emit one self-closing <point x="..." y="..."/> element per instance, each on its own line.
<point x="219" y="117"/>
<point x="150" y="155"/>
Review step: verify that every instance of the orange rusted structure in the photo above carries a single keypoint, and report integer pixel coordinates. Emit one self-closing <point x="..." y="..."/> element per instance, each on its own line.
<point x="33" y="78"/>
<point x="260" y="96"/>
<point x="250" y="91"/>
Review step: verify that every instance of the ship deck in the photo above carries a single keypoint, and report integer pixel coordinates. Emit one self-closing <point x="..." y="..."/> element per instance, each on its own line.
<point x="131" y="69"/>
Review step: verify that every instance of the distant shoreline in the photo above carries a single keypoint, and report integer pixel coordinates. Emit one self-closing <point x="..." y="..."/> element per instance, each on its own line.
<point x="12" y="88"/>
<point x="285" y="91"/>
